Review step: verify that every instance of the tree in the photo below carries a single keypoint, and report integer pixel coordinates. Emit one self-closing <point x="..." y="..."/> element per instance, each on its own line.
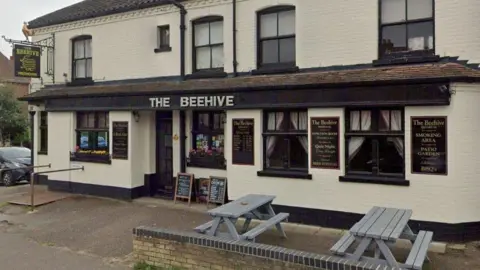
<point x="13" y="123"/>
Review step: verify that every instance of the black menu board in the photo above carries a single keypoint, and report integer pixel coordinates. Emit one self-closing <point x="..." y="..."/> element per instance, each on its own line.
<point x="183" y="188"/>
<point x="324" y="140"/>
<point x="429" y="145"/>
<point x="242" y="141"/>
<point x="120" y="140"/>
<point x="218" y="186"/>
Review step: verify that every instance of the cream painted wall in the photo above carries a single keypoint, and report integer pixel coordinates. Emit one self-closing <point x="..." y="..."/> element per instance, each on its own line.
<point x="123" y="44"/>
<point x="453" y="197"/>
<point x="121" y="173"/>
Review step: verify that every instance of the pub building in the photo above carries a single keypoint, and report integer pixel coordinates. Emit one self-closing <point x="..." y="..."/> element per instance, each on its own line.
<point x="397" y="127"/>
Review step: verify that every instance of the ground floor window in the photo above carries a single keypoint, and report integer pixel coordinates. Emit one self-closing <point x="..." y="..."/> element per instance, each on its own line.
<point x="92" y="136"/>
<point x="375" y="142"/>
<point x="43" y="130"/>
<point x="285" y="140"/>
<point x="208" y="139"/>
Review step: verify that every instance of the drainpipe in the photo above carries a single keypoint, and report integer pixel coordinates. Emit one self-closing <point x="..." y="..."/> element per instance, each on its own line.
<point x="234" y="30"/>
<point x="183" y="139"/>
<point x="32" y="136"/>
<point x="183" y="29"/>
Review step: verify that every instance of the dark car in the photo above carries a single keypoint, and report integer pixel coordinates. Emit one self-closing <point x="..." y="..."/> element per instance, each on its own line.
<point x="18" y="159"/>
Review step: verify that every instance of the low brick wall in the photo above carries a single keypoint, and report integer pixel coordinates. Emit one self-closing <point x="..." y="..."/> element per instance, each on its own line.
<point x="189" y="250"/>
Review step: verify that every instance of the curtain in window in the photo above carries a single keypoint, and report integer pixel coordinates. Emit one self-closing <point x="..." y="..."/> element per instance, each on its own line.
<point x="355" y="143"/>
<point x="274" y="123"/>
<point x="300" y="122"/>
<point x="396" y="123"/>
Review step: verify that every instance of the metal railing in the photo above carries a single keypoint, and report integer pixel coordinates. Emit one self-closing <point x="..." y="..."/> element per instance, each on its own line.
<point x="33" y="174"/>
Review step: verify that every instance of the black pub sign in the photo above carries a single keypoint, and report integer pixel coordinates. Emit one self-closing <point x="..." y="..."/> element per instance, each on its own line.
<point x="27" y="61"/>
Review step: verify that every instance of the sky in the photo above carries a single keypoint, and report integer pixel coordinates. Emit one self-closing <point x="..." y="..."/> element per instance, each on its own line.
<point x="14" y="12"/>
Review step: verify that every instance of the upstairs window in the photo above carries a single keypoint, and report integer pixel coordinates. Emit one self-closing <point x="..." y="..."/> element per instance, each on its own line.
<point x="82" y="58"/>
<point x="276" y="36"/>
<point x="208" y="44"/>
<point x="406" y="25"/>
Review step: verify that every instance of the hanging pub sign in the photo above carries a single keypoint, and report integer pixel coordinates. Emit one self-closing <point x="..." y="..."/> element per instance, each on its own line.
<point x="27" y="61"/>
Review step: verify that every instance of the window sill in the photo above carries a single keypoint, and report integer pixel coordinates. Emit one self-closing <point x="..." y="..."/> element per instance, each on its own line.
<point x="42" y="153"/>
<point x="374" y="180"/>
<point x="207" y="74"/>
<point x="91" y="160"/>
<point x="162" y="49"/>
<point x="280" y="69"/>
<point x="80" y="82"/>
<point x="207" y="166"/>
<point x="410" y="57"/>
<point x="285" y="174"/>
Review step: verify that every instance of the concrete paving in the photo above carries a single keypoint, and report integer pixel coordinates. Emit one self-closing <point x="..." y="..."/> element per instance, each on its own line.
<point x="18" y="253"/>
<point x="93" y="231"/>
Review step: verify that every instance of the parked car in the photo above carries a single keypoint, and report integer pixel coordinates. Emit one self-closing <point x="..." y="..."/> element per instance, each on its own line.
<point x="17" y="158"/>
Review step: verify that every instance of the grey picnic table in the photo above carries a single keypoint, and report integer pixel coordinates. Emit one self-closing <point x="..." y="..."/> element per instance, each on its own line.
<point x="379" y="229"/>
<point x="249" y="207"/>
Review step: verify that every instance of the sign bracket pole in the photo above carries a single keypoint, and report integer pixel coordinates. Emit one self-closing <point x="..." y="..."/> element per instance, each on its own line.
<point x="46" y="44"/>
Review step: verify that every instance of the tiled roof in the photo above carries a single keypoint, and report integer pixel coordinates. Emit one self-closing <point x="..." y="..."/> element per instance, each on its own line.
<point x="87" y="9"/>
<point x="405" y="73"/>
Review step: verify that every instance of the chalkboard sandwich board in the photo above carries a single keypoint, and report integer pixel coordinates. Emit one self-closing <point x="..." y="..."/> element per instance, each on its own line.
<point x="217" y="189"/>
<point x="183" y="187"/>
<point x="243" y="141"/>
<point x="429" y="145"/>
<point x="324" y="142"/>
<point x="119" y="139"/>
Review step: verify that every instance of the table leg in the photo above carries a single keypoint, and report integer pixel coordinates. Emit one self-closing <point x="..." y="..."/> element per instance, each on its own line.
<point x="387" y="254"/>
<point x="246" y="225"/>
<point x="361" y="248"/>
<point x="278" y="225"/>
<point x="232" y="229"/>
<point x="213" y="230"/>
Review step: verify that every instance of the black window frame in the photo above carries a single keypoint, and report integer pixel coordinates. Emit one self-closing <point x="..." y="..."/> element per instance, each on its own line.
<point x="270" y="10"/>
<point x="382" y="51"/>
<point x="374" y="133"/>
<point x="94" y="130"/>
<point x="74" y="59"/>
<point x="163" y="38"/>
<point x="206" y="20"/>
<point x="286" y="133"/>
<point x="205" y="162"/>
<point x="43" y="132"/>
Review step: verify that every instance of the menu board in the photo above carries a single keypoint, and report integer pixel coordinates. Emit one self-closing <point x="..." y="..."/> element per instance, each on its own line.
<point x="183" y="187"/>
<point x="217" y="189"/>
<point x="324" y="142"/>
<point x="429" y="145"/>
<point x="120" y="140"/>
<point x="242" y="141"/>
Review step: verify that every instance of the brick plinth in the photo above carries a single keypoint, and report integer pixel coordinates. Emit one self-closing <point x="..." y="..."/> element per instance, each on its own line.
<point x="186" y="250"/>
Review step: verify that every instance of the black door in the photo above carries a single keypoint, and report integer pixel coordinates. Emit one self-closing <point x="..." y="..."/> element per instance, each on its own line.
<point x="165" y="183"/>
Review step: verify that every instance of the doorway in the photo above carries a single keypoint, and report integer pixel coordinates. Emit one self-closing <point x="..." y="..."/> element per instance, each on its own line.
<point x="165" y="185"/>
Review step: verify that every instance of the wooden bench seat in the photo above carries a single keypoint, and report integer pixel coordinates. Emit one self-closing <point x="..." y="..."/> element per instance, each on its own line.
<point x="417" y="255"/>
<point x="343" y="244"/>
<point x="250" y="235"/>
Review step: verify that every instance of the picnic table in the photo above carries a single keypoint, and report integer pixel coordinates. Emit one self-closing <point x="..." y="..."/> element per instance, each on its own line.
<point x="249" y="207"/>
<point x="379" y="229"/>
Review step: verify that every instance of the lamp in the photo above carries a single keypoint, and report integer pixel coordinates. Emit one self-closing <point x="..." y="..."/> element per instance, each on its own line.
<point x="136" y="116"/>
